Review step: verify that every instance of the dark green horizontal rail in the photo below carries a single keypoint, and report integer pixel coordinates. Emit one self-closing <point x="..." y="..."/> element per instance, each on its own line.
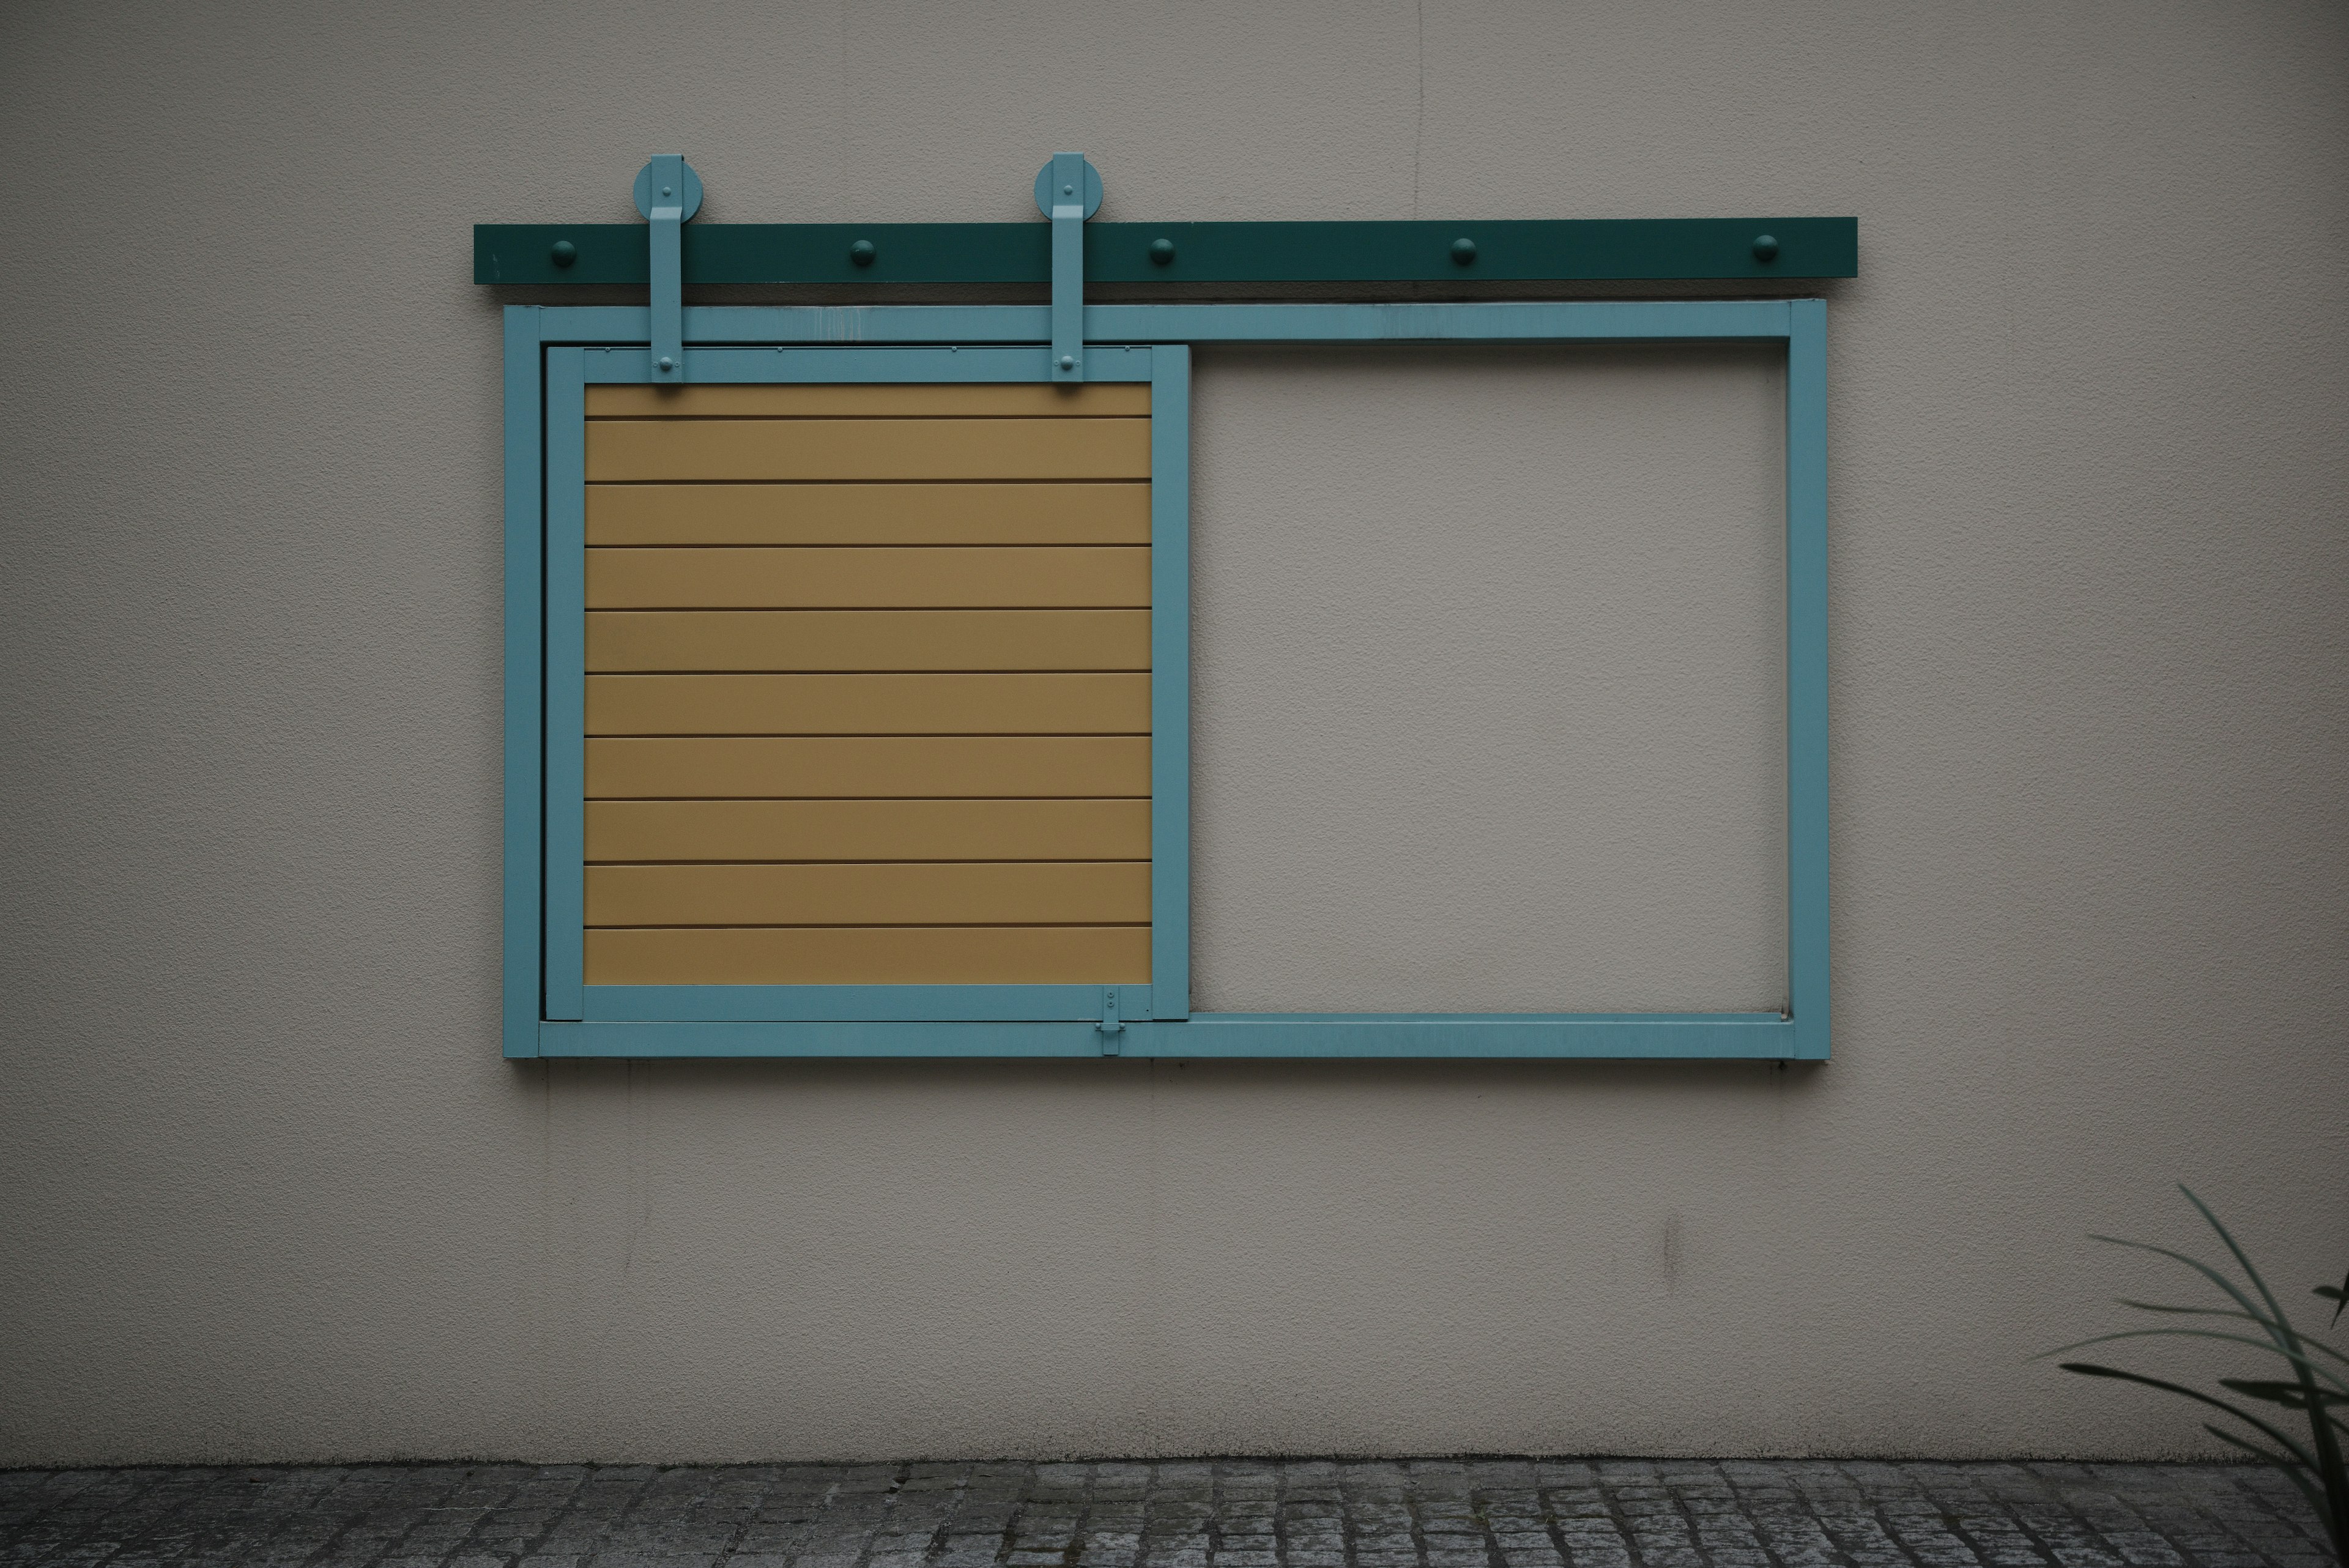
<point x="1535" y="250"/>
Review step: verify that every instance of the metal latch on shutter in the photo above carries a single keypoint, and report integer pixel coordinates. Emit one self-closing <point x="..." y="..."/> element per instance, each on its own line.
<point x="1068" y="189"/>
<point x="1111" y="1026"/>
<point x="668" y="192"/>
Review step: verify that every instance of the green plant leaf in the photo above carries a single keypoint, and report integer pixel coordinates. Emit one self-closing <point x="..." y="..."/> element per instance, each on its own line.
<point x="2091" y="1369"/>
<point x="2329" y="1468"/>
<point x="2276" y="1324"/>
<point x="2276" y="1393"/>
<point x="2317" y="1345"/>
<point x="2338" y="1295"/>
<point x="2290" y="1396"/>
<point x="2324" y="1372"/>
<point x="2203" y="1268"/>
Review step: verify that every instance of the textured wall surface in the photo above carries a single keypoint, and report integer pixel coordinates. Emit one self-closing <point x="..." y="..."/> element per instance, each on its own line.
<point x="1490" y="706"/>
<point x="271" y="1193"/>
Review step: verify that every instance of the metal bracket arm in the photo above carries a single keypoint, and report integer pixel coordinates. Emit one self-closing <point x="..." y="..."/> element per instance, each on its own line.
<point x="668" y="192"/>
<point x="1068" y="191"/>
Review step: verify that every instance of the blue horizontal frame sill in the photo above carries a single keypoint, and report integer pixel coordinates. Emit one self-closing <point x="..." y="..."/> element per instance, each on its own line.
<point x="1334" y="1036"/>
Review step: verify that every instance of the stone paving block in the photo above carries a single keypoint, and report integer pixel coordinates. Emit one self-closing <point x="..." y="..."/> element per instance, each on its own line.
<point x="1294" y="1549"/>
<point x="1541" y="1556"/>
<point x="837" y="1557"/>
<point x="1457" y="1557"/>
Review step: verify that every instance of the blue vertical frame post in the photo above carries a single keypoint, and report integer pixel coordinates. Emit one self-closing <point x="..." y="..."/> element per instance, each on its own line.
<point x="566" y="681"/>
<point x="1806" y="677"/>
<point x="1170" y="681"/>
<point x="525" y="561"/>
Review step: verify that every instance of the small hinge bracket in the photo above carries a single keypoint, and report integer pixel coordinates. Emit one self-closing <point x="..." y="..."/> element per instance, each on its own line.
<point x="1068" y="191"/>
<point x="1111" y="1026"/>
<point x="668" y="192"/>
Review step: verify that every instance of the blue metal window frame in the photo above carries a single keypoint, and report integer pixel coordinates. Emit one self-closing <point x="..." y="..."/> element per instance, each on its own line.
<point x="552" y="352"/>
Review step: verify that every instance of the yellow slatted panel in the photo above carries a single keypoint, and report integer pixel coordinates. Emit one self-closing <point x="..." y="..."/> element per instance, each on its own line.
<point x="1032" y="893"/>
<point x="887" y="955"/>
<point x="1085" y="703"/>
<point x="1091" y="401"/>
<point x="870" y="690"/>
<point x="1115" y="576"/>
<point x="1110" y="514"/>
<point x="624" y="450"/>
<point x="886" y="766"/>
<point x="623" y="640"/>
<point x="743" y="830"/>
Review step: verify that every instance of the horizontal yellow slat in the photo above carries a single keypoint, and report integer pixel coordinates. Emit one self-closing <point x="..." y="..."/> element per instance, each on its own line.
<point x="887" y="955"/>
<point x="1059" y="893"/>
<point x="1109" y="514"/>
<point x="885" y="766"/>
<point x="909" y="577"/>
<point x="621" y="451"/>
<point x="837" y="401"/>
<point x="1056" y="703"/>
<point x="620" y="640"/>
<point x="868" y="830"/>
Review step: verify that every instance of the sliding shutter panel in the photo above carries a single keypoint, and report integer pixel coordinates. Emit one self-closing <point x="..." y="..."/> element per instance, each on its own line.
<point x="867" y="695"/>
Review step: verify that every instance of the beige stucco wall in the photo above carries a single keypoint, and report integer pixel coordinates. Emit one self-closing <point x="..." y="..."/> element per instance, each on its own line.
<point x="267" y="1191"/>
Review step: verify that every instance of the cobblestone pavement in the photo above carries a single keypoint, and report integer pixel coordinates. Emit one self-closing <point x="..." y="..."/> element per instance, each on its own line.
<point x="1205" y="1514"/>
